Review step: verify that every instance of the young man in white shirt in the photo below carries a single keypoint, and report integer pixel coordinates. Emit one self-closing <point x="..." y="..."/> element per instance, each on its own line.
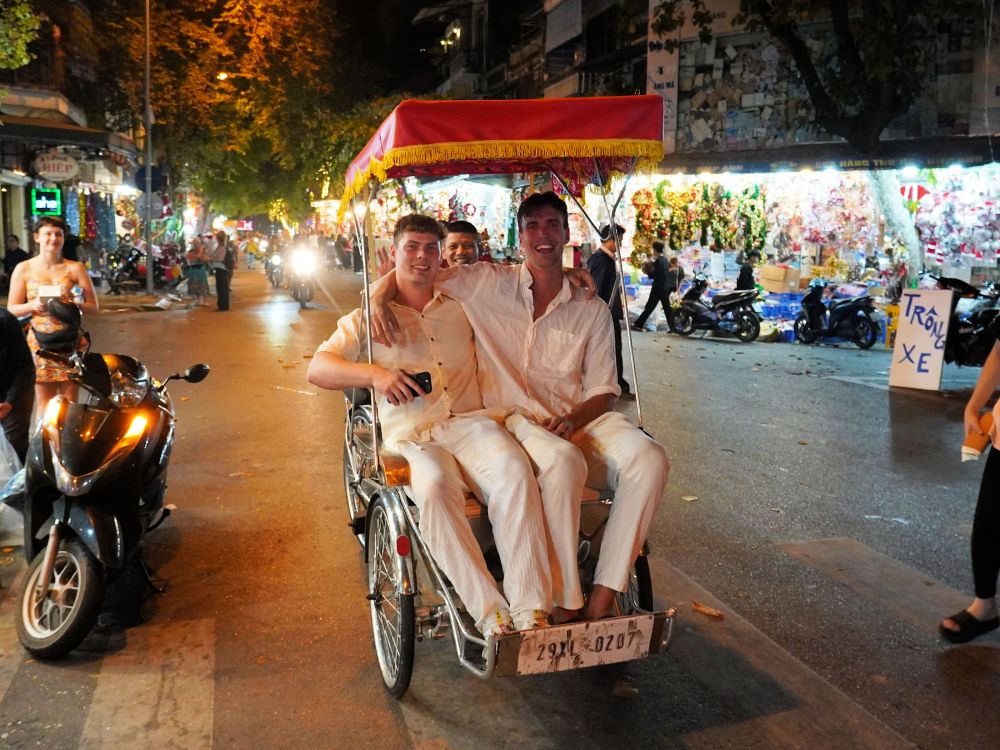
<point x="452" y="444"/>
<point x="545" y="349"/>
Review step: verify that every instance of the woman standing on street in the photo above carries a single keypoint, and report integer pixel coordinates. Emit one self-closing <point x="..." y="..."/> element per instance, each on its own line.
<point x="28" y="296"/>
<point x="981" y="616"/>
<point x="197" y="258"/>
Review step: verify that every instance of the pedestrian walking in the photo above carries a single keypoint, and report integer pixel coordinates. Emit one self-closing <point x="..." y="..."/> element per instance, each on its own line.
<point x="658" y="293"/>
<point x="603" y="267"/>
<point x="197" y="274"/>
<point x="223" y="261"/>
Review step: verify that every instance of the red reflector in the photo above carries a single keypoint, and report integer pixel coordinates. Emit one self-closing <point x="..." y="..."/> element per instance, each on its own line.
<point x="403" y="545"/>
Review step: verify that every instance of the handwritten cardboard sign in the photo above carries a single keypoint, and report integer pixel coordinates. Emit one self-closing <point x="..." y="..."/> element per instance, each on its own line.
<point x="918" y="356"/>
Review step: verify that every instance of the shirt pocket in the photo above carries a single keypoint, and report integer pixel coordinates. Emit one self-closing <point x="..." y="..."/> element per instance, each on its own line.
<point x="558" y="353"/>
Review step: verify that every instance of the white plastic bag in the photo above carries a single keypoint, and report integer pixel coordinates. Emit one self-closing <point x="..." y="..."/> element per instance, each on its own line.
<point x="10" y="464"/>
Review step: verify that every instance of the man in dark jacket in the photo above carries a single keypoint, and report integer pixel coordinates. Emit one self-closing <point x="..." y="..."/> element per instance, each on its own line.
<point x="745" y="279"/>
<point x="659" y="292"/>
<point x="603" y="266"/>
<point x="17" y="383"/>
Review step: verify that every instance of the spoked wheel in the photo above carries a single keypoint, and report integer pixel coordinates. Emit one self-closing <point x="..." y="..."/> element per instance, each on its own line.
<point x="639" y="594"/>
<point x="53" y="626"/>
<point x="865" y="332"/>
<point x="802" y="331"/>
<point x="683" y="322"/>
<point x="749" y="328"/>
<point x="355" y="466"/>
<point x="393" y="620"/>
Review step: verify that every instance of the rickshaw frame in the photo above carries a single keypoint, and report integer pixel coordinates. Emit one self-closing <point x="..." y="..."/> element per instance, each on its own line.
<point x="609" y="135"/>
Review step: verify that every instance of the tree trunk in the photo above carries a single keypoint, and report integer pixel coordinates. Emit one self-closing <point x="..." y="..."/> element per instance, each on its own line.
<point x="899" y="221"/>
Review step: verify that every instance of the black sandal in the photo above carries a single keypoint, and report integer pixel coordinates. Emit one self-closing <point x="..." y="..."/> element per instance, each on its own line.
<point x="968" y="627"/>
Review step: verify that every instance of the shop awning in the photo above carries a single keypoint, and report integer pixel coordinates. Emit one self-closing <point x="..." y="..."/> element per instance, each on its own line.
<point x="969" y="151"/>
<point x="56" y="133"/>
<point x="433" y="138"/>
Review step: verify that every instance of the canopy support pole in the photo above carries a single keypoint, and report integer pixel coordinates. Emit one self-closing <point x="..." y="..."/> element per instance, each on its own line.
<point x="362" y="225"/>
<point x="620" y="276"/>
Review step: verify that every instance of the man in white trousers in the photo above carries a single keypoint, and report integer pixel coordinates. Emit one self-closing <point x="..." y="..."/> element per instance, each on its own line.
<point x="452" y="444"/>
<point x="545" y="349"/>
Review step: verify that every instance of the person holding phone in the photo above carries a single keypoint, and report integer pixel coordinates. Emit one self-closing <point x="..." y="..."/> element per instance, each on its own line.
<point x="431" y="413"/>
<point x="36" y="281"/>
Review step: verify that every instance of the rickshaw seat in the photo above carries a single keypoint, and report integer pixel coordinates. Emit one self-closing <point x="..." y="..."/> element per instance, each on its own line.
<point x="397" y="474"/>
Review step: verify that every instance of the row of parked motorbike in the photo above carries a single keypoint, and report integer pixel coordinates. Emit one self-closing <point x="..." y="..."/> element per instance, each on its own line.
<point x="733" y="313"/>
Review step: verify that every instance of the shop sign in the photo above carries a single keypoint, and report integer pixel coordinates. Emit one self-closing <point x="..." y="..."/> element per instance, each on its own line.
<point x="244" y="225"/>
<point x="46" y="202"/>
<point x="56" y="167"/>
<point x="918" y="356"/>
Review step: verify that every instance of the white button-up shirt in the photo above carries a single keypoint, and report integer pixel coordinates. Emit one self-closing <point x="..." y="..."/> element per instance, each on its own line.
<point x="438" y="340"/>
<point x="541" y="367"/>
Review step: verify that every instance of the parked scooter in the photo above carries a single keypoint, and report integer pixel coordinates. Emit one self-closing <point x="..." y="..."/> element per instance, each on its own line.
<point x="95" y="479"/>
<point x="728" y="312"/>
<point x="302" y="265"/>
<point x="969" y="339"/>
<point x="845" y="318"/>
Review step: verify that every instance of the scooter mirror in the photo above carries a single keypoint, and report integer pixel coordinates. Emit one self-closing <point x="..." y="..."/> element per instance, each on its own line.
<point x="197" y="373"/>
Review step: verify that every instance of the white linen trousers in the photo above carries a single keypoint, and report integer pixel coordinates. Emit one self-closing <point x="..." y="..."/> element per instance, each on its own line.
<point x="615" y="455"/>
<point x="475" y="453"/>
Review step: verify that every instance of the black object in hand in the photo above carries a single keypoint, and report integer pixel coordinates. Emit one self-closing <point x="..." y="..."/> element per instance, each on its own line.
<point x="423" y="379"/>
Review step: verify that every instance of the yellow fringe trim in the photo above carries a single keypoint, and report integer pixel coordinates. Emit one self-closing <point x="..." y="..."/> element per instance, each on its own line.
<point x="649" y="153"/>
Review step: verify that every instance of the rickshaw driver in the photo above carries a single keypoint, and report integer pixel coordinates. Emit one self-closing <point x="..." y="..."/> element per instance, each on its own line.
<point x="546" y="349"/>
<point x="451" y="443"/>
<point x="461" y="244"/>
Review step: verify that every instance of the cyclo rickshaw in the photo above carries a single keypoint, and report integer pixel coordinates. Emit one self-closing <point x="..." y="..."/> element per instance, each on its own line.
<point x="579" y="142"/>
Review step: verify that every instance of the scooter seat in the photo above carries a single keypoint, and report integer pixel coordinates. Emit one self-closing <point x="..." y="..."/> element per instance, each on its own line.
<point x="840" y="302"/>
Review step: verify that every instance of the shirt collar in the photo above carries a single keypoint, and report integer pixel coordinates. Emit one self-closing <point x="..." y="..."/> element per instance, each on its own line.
<point x="524" y="282"/>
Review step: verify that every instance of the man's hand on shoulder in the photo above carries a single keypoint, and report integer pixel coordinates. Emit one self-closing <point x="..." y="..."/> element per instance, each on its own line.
<point x="383" y="319"/>
<point x="581" y="279"/>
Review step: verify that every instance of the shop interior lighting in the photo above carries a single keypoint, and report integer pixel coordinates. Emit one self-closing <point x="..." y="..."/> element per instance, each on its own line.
<point x="910" y="171"/>
<point x="830" y="170"/>
<point x="955" y="168"/>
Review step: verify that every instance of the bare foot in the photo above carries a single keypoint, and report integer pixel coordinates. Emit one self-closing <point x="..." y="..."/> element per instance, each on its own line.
<point x="561" y="616"/>
<point x="599" y="603"/>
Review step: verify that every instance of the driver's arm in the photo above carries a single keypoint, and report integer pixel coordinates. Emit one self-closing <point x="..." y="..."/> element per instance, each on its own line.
<point x="90" y="303"/>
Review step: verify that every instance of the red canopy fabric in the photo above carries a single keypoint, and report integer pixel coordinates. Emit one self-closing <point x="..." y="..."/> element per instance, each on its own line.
<point x="427" y="138"/>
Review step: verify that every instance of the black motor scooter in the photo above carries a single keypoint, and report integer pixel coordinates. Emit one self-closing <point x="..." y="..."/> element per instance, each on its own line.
<point x="302" y="265"/>
<point x="846" y="318"/>
<point x="95" y="479"/>
<point x="970" y="338"/>
<point x="729" y="312"/>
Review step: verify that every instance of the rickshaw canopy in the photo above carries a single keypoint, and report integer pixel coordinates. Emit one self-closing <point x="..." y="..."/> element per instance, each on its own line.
<point x="573" y="138"/>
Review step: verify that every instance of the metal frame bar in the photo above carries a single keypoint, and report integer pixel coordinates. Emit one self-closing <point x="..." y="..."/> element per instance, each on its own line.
<point x="364" y="240"/>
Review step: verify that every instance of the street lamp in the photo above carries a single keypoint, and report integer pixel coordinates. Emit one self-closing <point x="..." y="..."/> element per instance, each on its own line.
<point x="148" y="124"/>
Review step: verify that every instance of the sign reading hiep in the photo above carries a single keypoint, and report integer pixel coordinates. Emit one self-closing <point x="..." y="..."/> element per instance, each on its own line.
<point x="55" y="166"/>
<point x="918" y="355"/>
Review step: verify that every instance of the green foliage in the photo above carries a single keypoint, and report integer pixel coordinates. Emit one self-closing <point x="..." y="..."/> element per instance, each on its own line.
<point x="883" y="52"/>
<point x="18" y="29"/>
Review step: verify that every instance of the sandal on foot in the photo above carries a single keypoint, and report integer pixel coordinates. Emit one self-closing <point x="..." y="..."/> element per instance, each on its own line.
<point x="968" y="627"/>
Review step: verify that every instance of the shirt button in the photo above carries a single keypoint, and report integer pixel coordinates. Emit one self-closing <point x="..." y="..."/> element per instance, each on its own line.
<point x="432" y="338"/>
<point x="439" y="364"/>
<point x="445" y="388"/>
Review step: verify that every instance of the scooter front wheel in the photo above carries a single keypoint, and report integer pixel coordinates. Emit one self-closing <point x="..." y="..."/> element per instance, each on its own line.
<point x="53" y="625"/>
<point x="802" y="331"/>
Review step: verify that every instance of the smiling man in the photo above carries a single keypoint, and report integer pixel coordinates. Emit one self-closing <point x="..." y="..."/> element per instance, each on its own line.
<point x="461" y="244"/>
<point x="545" y="349"/>
<point x="451" y="443"/>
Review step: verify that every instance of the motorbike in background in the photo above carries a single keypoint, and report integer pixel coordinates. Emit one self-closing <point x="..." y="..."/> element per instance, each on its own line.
<point x="95" y="479"/>
<point x="969" y="339"/>
<point x="728" y="312"/>
<point x="845" y="318"/>
<point x="273" y="268"/>
<point x="302" y="265"/>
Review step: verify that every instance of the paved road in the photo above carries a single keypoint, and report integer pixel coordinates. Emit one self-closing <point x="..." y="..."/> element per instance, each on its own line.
<point x="825" y="516"/>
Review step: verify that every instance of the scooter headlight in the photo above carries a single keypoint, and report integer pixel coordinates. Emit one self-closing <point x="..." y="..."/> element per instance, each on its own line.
<point x="303" y="263"/>
<point x="126" y="392"/>
<point x="276" y="260"/>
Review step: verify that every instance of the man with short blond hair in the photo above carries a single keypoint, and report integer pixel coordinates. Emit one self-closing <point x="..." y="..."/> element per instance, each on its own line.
<point x="453" y="445"/>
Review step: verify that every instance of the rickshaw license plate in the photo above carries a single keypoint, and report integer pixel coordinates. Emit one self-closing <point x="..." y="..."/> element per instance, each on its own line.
<point x="584" y="644"/>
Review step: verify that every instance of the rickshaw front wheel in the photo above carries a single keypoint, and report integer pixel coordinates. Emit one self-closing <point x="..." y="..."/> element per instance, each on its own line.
<point x="393" y="618"/>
